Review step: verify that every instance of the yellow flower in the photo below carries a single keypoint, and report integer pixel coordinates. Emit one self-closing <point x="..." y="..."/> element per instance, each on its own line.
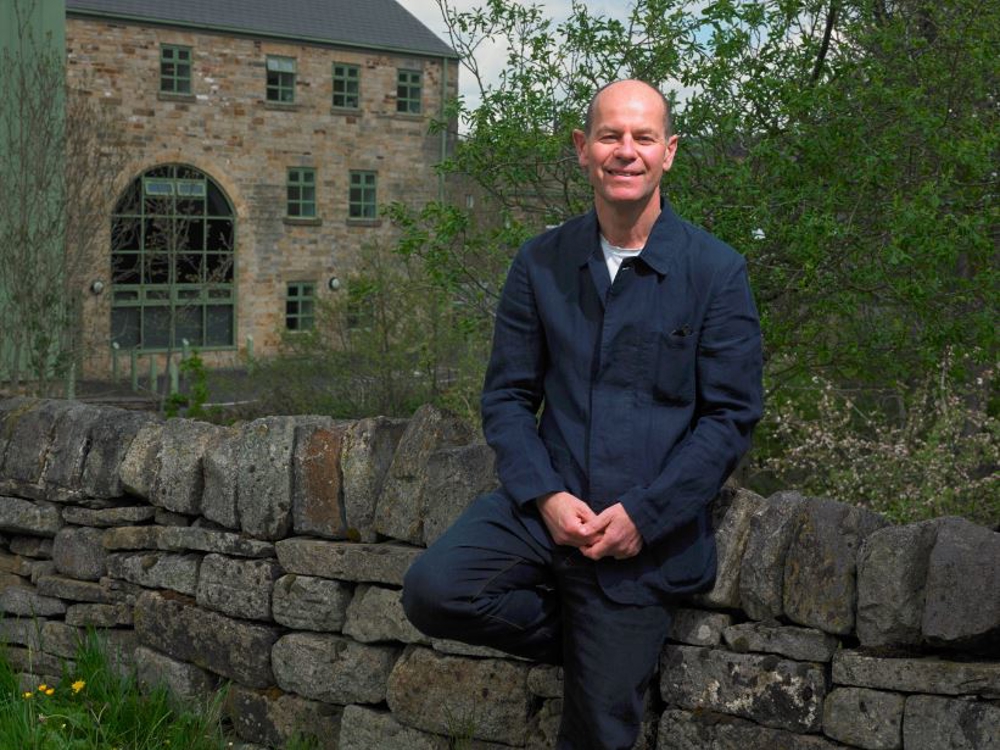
<point x="78" y="686"/>
<point x="27" y="694"/>
<point x="42" y="688"/>
<point x="49" y="691"/>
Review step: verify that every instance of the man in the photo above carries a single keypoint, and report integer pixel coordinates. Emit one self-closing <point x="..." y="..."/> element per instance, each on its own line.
<point x="638" y="333"/>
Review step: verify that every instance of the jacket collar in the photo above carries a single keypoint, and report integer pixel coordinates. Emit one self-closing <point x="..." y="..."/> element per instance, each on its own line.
<point x="665" y="239"/>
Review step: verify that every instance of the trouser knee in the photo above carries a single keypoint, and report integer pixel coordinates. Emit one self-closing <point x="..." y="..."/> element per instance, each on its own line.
<point x="426" y="597"/>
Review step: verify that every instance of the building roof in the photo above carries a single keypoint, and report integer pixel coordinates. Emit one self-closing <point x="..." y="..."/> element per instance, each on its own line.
<point x="373" y="24"/>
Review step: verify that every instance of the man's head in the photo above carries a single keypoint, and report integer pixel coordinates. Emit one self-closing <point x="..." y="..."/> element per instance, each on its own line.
<point x="626" y="145"/>
<point x="588" y="118"/>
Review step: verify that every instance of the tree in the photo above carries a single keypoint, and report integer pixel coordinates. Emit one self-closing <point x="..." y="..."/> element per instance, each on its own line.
<point x="61" y="154"/>
<point x="847" y="148"/>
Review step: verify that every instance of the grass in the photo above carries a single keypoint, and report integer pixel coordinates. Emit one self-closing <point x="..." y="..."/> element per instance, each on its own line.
<point x="96" y="708"/>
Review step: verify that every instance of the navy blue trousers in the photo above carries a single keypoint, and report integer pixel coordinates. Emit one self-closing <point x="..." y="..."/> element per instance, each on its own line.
<point x="488" y="581"/>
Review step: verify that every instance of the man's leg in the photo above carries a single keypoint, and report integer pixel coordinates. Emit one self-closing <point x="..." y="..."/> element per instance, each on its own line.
<point x="610" y="652"/>
<point x="487" y="581"/>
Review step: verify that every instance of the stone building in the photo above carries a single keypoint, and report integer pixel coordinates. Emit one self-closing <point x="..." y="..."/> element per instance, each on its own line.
<point x="263" y="141"/>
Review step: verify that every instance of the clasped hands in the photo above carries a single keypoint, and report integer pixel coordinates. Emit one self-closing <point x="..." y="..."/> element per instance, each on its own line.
<point x="571" y="522"/>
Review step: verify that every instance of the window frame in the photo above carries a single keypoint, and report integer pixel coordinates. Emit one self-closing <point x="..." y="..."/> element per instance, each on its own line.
<point x="295" y="180"/>
<point x="365" y="206"/>
<point x="176" y="78"/>
<point x="284" y="82"/>
<point x="346" y="79"/>
<point x="408" y="81"/>
<point x="302" y="296"/>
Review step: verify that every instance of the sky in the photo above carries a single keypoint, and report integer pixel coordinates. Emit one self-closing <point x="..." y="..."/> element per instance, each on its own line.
<point x="491" y="60"/>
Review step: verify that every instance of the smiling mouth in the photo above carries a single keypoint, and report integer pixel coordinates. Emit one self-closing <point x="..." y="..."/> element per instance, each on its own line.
<point x="622" y="173"/>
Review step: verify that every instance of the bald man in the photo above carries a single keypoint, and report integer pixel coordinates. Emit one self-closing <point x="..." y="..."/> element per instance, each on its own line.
<point x="636" y="335"/>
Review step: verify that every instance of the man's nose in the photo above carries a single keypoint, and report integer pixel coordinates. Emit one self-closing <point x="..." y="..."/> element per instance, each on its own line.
<point x="626" y="148"/>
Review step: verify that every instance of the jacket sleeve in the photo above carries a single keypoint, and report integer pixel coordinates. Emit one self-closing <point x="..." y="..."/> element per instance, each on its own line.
<point x="729" y="404"/>
<point x="514" y="389"/>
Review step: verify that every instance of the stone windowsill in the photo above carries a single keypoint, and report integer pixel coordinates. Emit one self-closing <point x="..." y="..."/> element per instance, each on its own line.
<point x="166" y="96"/>
<point x="364" y="222"/>
<point x="303" y="221"/>
<point x="282" y="106"/>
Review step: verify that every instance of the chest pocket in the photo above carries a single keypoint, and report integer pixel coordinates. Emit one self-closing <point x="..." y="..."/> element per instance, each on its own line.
<point x="674" y="366"/>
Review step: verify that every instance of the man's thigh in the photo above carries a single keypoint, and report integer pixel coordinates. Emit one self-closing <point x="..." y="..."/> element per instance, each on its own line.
<point x="487" y="580"/>
<point x="610" y="652"/>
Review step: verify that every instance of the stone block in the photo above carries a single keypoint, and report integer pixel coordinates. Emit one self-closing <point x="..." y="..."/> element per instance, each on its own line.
<point x="332" y="668"/>
<point x="157" y="570"/>
<point x="274" y="719"/>
<point x="366" y="453"/>
<point x="20" y="516"/>
<point x="137" y="472"/>
<point x="770" y="691"/>
<point x="182" y="538"/>
<point x="222" y="469"/>
<point x="25" y="601"/>
<point x="731" y="534"/>
<point x="235" y="587"/>
<point x="964" y="563"/>
<point x="62" y="473"/>
<point x="892" y="571"/>
<point x="234" y="649"/>
<point x="403" y="503"/>
<point x="309" y="603"/>
<point x="802" y="644"/>
<point x="820" y="579"/>
<point x="22" y="631"/>
<point x="376" y="614"/>
<point x="348" y="561"/>
<point x="74" y="590"/>
<point x="111" y="436"/>
<point x="188" y="686"/>
<point x="29" y="660"/>
<point x="365" y="728"/>
<point x="33" y="546"/>
<point x="493" y="705"/>
<point x="60" y="639"/>
<point x="317" y="491"/>
<point x="455" y="477"/>
<point x="40" y="569"/>
<point x="127" y="515"/>
<point x="697" y="628"/>
<point x="264" y="450"/>
<point x="98" y="615"/>
<point x="180" y="479"/>
<point x="11" y="411"/>
<point x="79" y="552"/>
<point x="934" y="723"/>
<point x="30" y="430"/>
<point x="703" y="730"/>
<point x="870" y="719"/>
<point x="545" y="681"/>
<point x="762" y="571"/>
<point x="918" y="675"/>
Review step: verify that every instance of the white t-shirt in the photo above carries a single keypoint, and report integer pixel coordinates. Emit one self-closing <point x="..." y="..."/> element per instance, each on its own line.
<point x="614" y="255"/>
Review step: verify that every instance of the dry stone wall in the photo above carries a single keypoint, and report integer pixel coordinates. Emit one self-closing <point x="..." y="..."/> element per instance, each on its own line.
<point x="269" y="556"/>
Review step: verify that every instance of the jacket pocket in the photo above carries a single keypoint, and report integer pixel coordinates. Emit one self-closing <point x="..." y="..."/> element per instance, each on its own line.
<point x="674" y="370"/>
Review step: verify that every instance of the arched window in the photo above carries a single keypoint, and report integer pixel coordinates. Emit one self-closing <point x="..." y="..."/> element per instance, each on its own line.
<point x="172" y="259"/>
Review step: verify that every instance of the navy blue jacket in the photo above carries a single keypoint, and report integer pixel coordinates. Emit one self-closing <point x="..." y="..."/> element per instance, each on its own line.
<point x="649" y="389"/>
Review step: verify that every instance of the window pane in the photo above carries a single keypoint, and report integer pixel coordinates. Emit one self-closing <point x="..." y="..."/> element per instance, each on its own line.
<point x="125" y="326"/>
<point x="219" y="325"/>
<point x="156" y="328"/>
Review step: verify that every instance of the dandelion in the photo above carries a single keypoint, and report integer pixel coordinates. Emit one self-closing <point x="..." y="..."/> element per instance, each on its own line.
<point x="42" y="688"/>
<point x="78" y="686"/>
<point x="27" y="694"/>
<point x="50" y="691"/>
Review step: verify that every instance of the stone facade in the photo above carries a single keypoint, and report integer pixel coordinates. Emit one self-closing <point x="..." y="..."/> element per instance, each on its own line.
<point x="228" y="130"/>
<point x="814" y="637"/>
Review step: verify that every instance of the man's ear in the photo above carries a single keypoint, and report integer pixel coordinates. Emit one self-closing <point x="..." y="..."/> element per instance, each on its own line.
<point x="580" y="142"/>
<point x="671" y="151"/>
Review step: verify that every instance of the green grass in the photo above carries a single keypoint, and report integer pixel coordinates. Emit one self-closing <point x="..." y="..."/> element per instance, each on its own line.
<point x="94" y="707"/>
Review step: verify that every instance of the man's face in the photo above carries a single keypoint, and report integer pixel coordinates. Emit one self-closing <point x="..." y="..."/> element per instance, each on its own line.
<point x="627" y="150"/>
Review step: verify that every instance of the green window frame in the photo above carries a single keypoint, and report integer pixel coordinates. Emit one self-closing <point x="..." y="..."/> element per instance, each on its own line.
<point x="300" y="306"/>
<point x="281" y="79"/>
<point x="362" y="200"/>
<point x="301" y="193"/>
<point x="173" y="262"/>
<point x="408" y="87"/>
<point x="175" y="69"/>
<point x="346" y="86"/>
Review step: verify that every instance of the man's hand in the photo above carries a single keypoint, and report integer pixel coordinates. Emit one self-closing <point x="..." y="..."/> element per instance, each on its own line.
<point x="618" y="536"/>
<point x="569" y="520"/>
